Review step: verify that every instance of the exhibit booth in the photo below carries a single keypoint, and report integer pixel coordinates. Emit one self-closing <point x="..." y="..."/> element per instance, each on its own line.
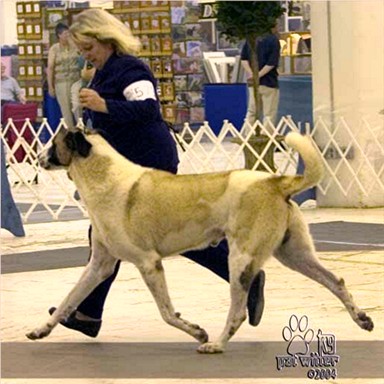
<point x="200" y="77"/>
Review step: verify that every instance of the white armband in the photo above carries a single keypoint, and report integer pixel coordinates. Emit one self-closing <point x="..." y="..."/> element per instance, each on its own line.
<point x="140" y="90"/>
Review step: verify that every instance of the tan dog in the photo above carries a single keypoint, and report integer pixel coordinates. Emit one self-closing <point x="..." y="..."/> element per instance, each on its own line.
<point x="143" y="215"/>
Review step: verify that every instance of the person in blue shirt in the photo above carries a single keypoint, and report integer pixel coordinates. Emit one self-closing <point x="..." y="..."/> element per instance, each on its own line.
<point x="10" y="88"/>
<point x="268" y="55"/>
<point x="122" y="104"/>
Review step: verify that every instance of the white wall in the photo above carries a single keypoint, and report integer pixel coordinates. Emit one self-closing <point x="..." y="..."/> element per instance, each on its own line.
<point x="8" y="22"/>
<point x="348" y="82"/>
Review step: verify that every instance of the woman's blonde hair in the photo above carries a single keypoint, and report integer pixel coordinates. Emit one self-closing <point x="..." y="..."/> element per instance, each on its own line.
<point x="105" y="28"/>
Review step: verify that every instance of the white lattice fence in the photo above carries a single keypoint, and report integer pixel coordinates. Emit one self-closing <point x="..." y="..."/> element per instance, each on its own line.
<point x="347" y="158"/>
<point x="354" y="160"/>
<point x="32" y="186"/>
<point x="206" y="152"/>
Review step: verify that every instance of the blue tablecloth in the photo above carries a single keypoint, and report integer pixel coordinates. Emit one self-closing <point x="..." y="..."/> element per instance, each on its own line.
<point x="225" y="101"/>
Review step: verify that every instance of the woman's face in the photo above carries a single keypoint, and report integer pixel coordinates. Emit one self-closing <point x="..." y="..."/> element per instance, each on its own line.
<point x="64" y="36"/>
<point x="95" y="52"/>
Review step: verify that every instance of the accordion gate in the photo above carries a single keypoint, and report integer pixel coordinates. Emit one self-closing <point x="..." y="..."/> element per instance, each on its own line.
<point x="348" y="166"/>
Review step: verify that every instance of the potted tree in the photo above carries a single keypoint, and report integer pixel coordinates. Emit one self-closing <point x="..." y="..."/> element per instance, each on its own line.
<point x="249" y="20"/>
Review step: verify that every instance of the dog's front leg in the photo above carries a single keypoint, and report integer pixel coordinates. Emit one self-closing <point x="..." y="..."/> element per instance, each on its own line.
<point x="97" y="270"/>
<point x="153" y="275"/>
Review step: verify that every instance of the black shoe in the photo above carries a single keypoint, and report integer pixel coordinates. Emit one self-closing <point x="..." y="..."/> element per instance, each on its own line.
<point x="255" y="303"/>
<point x="89" y="328"/>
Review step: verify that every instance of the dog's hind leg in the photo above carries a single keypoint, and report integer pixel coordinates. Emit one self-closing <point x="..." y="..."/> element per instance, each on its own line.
<point x="153" y="274"/>
<point x="242" y="272"/>
<point x="297" y="252"/>
<point x="100" y="266"/>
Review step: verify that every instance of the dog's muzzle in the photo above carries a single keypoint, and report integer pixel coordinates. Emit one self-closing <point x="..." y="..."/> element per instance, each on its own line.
<point x="43" y="158"/>
<point x="48" y="158"/>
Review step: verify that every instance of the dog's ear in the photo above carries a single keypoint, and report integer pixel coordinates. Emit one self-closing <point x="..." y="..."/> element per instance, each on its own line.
<point x="76" y="141"/>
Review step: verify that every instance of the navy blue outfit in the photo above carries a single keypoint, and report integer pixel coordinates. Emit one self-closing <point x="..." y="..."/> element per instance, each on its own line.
<point x="268" y="53"/>
<point x="137" y="130"/>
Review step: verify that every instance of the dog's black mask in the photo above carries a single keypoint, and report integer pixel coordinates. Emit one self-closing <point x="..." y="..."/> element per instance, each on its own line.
<point x="76" y="142"/>
<point x="52" y="155"/>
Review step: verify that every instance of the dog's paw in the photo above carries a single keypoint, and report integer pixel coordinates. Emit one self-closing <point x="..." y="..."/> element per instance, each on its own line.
<point x="39" y="333"/>
<point x="364" y="321"/>
<point x="201" y="335"/>
<point x="211" y="348"/>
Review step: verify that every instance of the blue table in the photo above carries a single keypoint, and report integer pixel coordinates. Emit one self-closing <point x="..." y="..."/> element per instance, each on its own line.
<point x="225" y="101"/>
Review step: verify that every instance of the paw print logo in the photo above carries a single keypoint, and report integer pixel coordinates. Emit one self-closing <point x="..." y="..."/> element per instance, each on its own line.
<point x="298" y="335"/>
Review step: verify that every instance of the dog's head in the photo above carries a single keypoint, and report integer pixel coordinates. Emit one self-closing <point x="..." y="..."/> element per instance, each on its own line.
<point x="66" y="145"/>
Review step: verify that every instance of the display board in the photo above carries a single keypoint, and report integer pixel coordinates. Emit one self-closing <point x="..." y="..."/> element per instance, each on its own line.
<point x="30" y="51"/>
<point x="151" y="22"/>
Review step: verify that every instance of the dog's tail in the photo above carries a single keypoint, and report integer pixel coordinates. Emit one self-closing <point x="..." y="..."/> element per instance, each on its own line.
<point x="313" y="163"/>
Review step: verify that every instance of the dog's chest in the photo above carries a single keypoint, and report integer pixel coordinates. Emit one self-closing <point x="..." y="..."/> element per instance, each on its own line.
<point x="116" y="241"/>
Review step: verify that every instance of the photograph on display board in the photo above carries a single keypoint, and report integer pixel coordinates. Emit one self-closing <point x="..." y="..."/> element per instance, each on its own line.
<point x="196" y="114"/>
<point x="176" y="64"/>
<point x="166" y="44"/>
<point x="135" y="22"/>
<point x="159" y="90"/>
<point x="193" y="13"/>
<point x="167" y="67"/>
<point x="145" y="45"/>
<point x="223" y="43"/>
<point x="165" y="23"/>
<point x="194" y="49"/>
<point x="178" y="14"/>
<point x="208" y="35"/>
<point x="193" y="31"/>
<point x="182" y="115"/>
<point x="179" y="32"/>
<point x="187" y="65"/>
<point x="52" y="17"/>
<point x="168" y="90"/>
<point x="181" y="82"/>
<point x="195" y="99"/>
<point x="182" y="100"/>
<point x="179" y="50"/>
<point x="155" y="23"/>
<point x="169" y="112"/>
<point x="155" y="45"/>
<point x="145" y="22"/>
<point x="195" y="82"/>
<point x="157" y="68"/>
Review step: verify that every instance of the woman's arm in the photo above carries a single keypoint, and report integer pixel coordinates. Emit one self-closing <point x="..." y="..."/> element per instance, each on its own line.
<point x="51" y="72"/>
<point x="18" y="93"/>
<point x="141" y="103"/>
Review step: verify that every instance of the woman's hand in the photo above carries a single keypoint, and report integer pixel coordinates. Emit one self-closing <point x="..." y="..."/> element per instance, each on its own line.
<point x="91" y="99"/>
<point x="51" y="91"/>
<point x="87" y="74"/>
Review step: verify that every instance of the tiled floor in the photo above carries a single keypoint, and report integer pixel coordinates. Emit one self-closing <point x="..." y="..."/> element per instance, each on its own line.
<point x="131" y="315"/>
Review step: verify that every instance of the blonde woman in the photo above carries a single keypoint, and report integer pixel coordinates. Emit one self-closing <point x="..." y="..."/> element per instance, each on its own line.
<point x="121" y="101"/>
<point x="63" y="71"/>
